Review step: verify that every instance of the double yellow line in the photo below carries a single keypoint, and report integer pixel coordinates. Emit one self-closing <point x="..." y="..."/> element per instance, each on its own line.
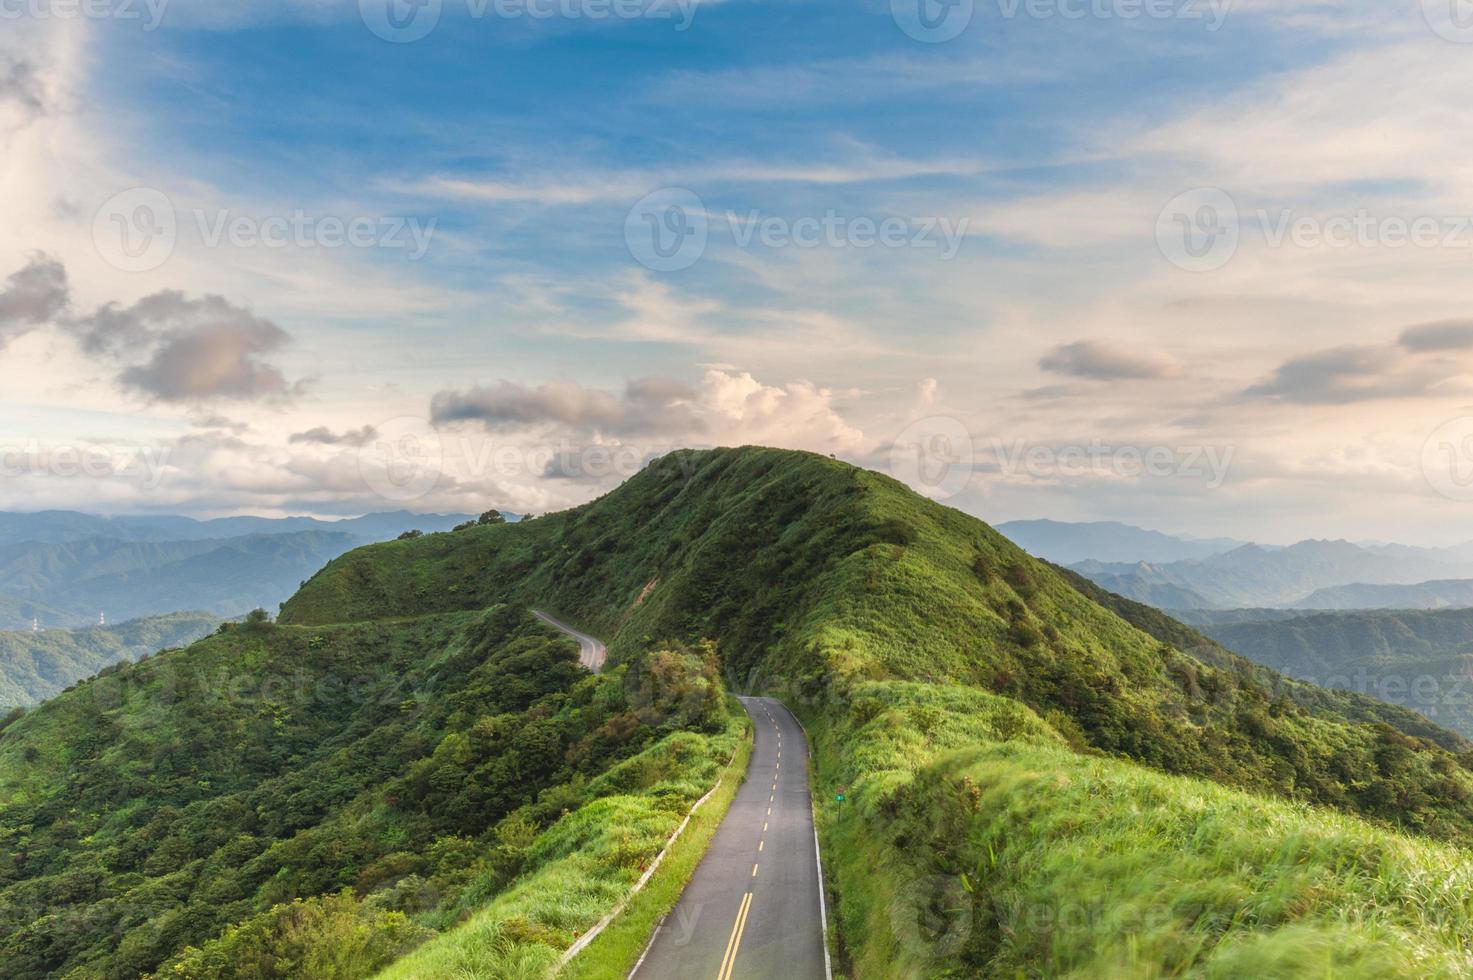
<point x="728" y="963"/>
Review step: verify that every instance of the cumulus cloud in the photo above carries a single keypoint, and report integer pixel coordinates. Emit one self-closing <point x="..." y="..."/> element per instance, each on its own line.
<point x="174" y="348"/>
<point x="1444" y="335"/>
<point x="1369" y="372"/>
<point x="323" y="436"/>
<point x="651" y="415"/>
<point x="32" y="296"/>
<point x="647" y="405"/>
<point x="1107" y="361"/>
<point x="195" y="349"/>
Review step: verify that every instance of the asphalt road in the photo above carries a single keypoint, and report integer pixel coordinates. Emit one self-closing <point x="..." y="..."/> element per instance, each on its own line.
<point x="592" y="652"/>
<point x="753" y="908"/>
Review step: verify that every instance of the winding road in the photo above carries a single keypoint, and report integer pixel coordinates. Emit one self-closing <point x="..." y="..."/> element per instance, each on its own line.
<point x="591" y="651"/>
<point x="754" y="907"/>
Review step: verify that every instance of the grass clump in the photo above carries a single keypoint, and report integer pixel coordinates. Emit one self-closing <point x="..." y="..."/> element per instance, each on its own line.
<point x="579" y="870"/>
<point x="906" y="633"/>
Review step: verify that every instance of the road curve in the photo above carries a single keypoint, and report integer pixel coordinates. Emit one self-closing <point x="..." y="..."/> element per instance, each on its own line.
<point x="754" y="907"/>
<point x="591" y="651"/>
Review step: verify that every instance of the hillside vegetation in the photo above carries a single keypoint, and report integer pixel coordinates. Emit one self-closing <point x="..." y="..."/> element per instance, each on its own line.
<point x="316" y="802"/>
<point x="1039" y="778"/>
<point x="1422" y="659"/>
<point x="910" y="636"/>
<point x="36" y="666"/>
<point x="66" y="584"/>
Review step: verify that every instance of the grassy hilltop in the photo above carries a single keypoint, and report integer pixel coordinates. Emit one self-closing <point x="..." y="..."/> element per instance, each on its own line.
<point x="1041" y="779"/>
<point x="911" y="636"/>
<point x="315" y="802"/>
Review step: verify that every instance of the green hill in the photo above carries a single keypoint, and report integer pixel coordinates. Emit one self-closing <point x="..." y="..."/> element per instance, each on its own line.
<point x="1422" y="659"/>
<point x="72" y="581"/>
<point x="1039" y="778"/>
<point x="305" y="791"/>
<point x="36" y="666"/>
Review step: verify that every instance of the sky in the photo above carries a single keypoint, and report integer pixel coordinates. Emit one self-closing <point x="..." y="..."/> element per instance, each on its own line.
<point x="1197" y="265"/>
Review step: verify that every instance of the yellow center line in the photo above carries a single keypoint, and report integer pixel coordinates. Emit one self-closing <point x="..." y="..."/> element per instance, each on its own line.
<point x="754" y="871"/>
<point x="764" y="826"/>
<point x="729" y="960"/>
<point x="761" y="844"/>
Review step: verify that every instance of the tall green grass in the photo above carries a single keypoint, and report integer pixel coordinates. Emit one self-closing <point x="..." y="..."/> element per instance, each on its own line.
<point x="1002" y="735"/>
<point x="579" y="870"/>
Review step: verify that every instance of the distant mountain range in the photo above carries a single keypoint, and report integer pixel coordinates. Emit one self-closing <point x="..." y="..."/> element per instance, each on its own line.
<point x="1139" y="565"/>
<point x="1109" y="541"/>
<point x="65" y="569"/>
<point x="60" y="526"/>
<point x="1447" y="594"/>
<point x="1419" y="659"/>
<point x="37" y="666"/>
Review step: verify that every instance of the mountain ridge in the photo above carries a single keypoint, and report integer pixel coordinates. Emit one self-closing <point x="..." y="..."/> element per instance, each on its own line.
<point x="971" y="710"/>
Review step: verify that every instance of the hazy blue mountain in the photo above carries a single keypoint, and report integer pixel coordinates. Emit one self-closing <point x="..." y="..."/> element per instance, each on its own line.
<point x="36" y="666"/>
<point x="1257" y="576"/>
<point x="1108" y="541"/>
<point x="1442" y="594"/>
<point x="61" y="526"/>
<point x="65" y="568"/>
<point x="1421" y="659"/>
<point x="79" y="581"/>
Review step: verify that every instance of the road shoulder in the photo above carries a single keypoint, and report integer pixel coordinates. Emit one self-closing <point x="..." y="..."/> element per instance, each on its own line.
<point x="616" y="951"/>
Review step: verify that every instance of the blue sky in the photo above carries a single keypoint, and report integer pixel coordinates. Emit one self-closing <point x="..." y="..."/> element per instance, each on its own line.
<point x="1025" y="314"/>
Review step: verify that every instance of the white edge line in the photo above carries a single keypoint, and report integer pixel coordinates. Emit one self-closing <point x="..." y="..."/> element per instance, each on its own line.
<point x="651" y="945"/>
<point x="603" y="923"/>
<point x="823" y="914"/>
